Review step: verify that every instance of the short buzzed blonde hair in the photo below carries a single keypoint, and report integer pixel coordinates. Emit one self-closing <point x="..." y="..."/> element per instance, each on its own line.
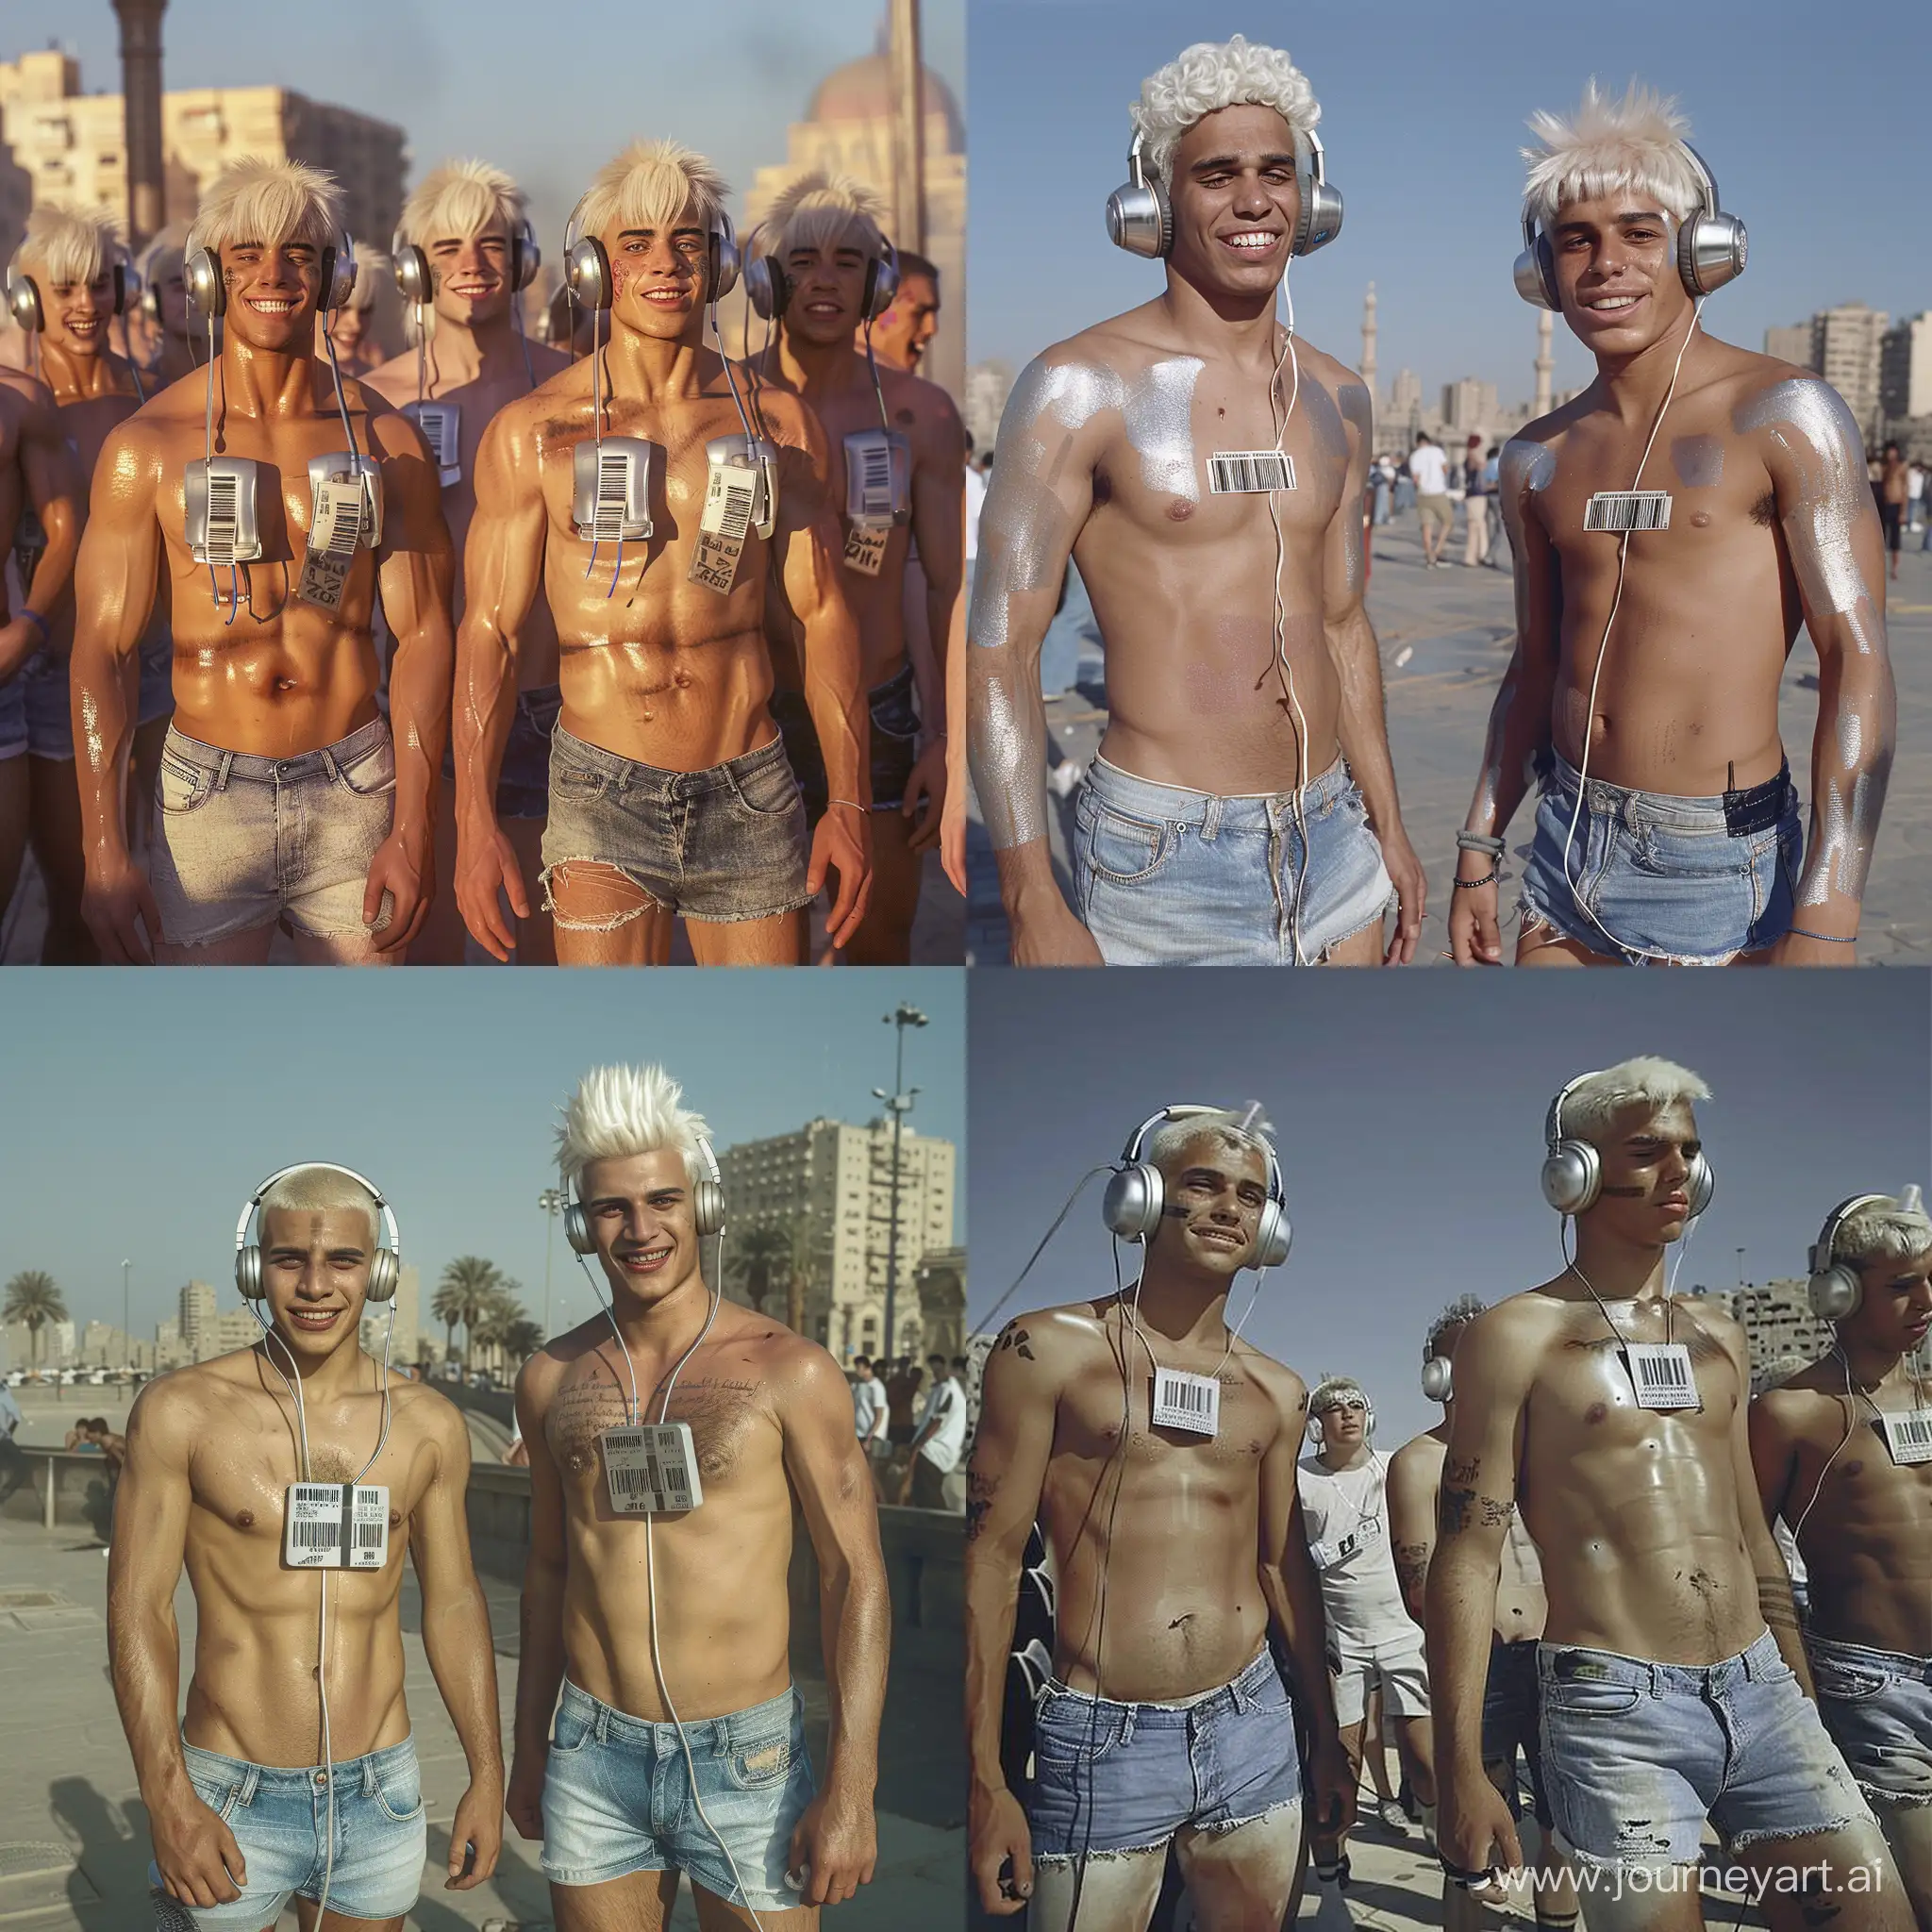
<point x="1635" y="143"/>
<point x="267" y="202"/>
<point x="1595" y="1103"/>
<point x="822" y="210"/>
<point x="459" y="199"/>
<point x="652" y="184"/>
<point x="1208" y="76"/>
<point x="70" y="244"/>
<point x="320" y="1191"/>
<point x="1883" y="1230"/>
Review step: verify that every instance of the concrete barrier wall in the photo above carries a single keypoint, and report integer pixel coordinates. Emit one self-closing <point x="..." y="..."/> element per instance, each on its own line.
<point x="59" y="1488"/>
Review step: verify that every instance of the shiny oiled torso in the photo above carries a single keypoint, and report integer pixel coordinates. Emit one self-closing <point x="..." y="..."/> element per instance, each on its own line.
<point x="85" y="422"/>
<point x="1522" y="1603"/>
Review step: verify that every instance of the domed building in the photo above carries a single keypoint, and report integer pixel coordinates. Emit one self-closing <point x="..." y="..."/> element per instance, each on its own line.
<point x="848" y="127"/>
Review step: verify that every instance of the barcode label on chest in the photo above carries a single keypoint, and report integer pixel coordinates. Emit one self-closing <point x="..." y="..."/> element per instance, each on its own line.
<point x="1248" y="471"/>
<point x="1662" y="1375"/>
<point x="336" y="1526"/>
<point x="730" y="499"/>
<point x="1182" y="1400"/>
<point x="1908" y="1434"/>
<point x="441" y="427"/>
<point x="224" y="525"/>
<point x="651" y="1469"/>
<point x="1618" y="511"/>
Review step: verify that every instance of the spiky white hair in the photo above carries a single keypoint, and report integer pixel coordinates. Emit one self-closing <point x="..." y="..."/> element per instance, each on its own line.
<point x="1595" y="1103"/>
<point x="70" y="244"/>
<point x="459" y="199"/>
<point x="1208" y="76"/>
<point x="1243" y="1129"/>
<point x="1635" y="143"/>
<point x="1333" y="1390"/>
<point x="826" y="210"/>
<point x="263" y="202"/>
<point x="650" y="185"/>
<point x="618" y="1111"/>
<point x="320" y="1191"/>
<point x="1884" y="1230"/>
<point x="1458" y="1314"/>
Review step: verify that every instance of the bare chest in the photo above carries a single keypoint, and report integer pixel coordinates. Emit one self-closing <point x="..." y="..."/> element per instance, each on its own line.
<point x="1099" y="1422"/>
<point x="88" y="423"/>
<point x="725" y="1411"/>
<point x="1863" y="1484"/>
<point x="1596" y="1396"/>
<point x="241" y="1478"/>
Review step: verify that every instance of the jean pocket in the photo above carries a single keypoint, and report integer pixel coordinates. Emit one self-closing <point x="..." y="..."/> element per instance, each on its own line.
<point x="1670" y="852"/>
<point x="399" y="1792"/>
<point x="1845" y="1683"/>
<point x="570" y="1731"/>
<point x="180" y="786"/>
<point x="218" y="1794"/>
<point x="372" y="772"/>
<point x="756" y="1764"/>
<point x="768" y="790"/>
<point x="1071" y="1730"/>
<point x="577" y="782"/>
<point x="1122" y="850"/>
<point x="1590" y="1697"/>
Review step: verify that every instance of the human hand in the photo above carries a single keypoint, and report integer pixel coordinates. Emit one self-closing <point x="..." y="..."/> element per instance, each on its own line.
<point x="842" y="844"/>
<point x="1476" y="932"/>
<point x="523" y="1797"/>
<point x="487" y="871"/>
<point x="997" y="1837"/>
<point x="1411" y="895"/>
<point x="475" y="1834"/>
<point x="115" y="897"/>
<point x="927" y="784"/>
<point x="834" y="1846"/>
<point x="404" y="871"/>
<point x="199" y="1861"/>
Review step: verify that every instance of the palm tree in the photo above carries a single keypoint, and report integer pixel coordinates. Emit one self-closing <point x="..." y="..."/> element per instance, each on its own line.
<point x="762" y="1253"/>
<point x="446" y="1306"/>
<point x="521" y="1338"/>
<point x="499" y="1312"/>
<point x="469" y="1280"/>
<point x="33" y="1298"/>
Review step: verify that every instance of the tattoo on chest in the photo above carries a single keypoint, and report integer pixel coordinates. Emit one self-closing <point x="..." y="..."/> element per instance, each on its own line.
<point x="719" y="1411"/>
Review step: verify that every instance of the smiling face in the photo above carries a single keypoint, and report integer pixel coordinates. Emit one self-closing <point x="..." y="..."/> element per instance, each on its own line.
<point x="1236" y="200"/>
<point x="1213" y="1196"/>
<point x="471" y="276"/>
<point x="272" y="293"/>
<point x="1645" y="1197"/>
<point x="827" y="291"/>
<point x="658" y="276"/>
<point x="1894" y="1311"/>
<point x="76" y="315"/>
<point x="641" y="1216"/>
<point x="1616" y="260"/>
<point x="315" y="1271"/>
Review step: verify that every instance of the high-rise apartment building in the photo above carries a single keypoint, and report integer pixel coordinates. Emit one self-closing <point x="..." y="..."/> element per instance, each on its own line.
<point x="197" y="1320"/>
<point x="1905" y="371"/>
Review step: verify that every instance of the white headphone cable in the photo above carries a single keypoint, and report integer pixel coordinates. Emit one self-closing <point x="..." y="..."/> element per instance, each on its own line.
<point x="1280" y="619"/>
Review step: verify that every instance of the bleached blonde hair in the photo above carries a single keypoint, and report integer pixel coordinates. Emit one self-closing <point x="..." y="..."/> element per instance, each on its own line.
<point x="1458" y="1314"/>
<point x="1595" y="1103"/>
<point x="618" y="1111"/>
<point x="824" y="211"/>
<point x="1332" y="1390"/>
<point x="319" y="1191"/>
<point x="650" y="185"/>
<point x="1884" y="1230"/>
<point x="1208" y="76"/>
<point x="1635" y="143"/>
<point x="70" y="244"/>
<point x="267" y="202"/>
<point x="459" y="199"/>
<point x="1242" y="1130"/>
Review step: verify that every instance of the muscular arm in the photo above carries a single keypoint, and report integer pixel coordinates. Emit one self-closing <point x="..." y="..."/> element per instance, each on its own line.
<point x="938" y="527"/>
<point x="540" y="1629"/>
<point x="1767" y="1560"/>
<point x="1412" y="1523"/>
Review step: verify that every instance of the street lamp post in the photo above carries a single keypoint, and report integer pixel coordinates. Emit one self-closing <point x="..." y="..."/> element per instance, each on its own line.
<point x="900" y="1103"/>
<point x="127" y="1330"/>
<point x="552" y="1201"/>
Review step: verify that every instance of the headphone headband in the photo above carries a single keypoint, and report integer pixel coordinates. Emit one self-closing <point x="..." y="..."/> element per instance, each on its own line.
<point x="1823" y="1257"/>
<point x="383" y="1265"/>
<point x="1137" y="1194"/>
<point x="1553" y="1123"/>
<point x="708" y="1203"/>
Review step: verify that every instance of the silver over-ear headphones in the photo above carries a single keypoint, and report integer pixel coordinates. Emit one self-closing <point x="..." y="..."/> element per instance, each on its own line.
<point x="1836" y="1288"/>
<point x="587" y="264"/>
<point x="707" y="1206"/>
<point x="770" y="288"/>
<point x="1139" y="216"/>
<point x="1712" y="248"/>
<point x="1318" y="1436"/>
<point x="207" y="294"/>
<point x="1136" y="1195"/>
<point x="1439" y="1378"/>
<point x="30" y="313"/>
<point x="1573" y="1169"/>
<point x="384" y="1265"/>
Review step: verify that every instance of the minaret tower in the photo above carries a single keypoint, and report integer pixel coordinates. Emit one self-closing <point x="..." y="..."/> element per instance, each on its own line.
<point x="1545" y="362"/>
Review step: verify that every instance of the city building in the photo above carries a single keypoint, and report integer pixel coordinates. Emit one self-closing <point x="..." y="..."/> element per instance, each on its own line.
<point x="1470" y="407"/>
<point x="1790" y="344"/>
<point x="1845" y="346"/>
<point x="1776" y="1320"/>
<point x="988" y="386"/>
<point x="70" y="146"/>
<point x="197" y="1321"/>
<point x="829" y="1187"/>
<point x="1905" y="369"/>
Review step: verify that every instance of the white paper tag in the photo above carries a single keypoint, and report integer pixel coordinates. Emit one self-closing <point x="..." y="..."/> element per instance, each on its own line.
<point x="335" y="530"/>
<point x="731" y="496"/>
<point x="1617" y="510"/>
<point x="322" y="1521"/>
<point x="865" y="547"/>
<point x="1662" y="1374"/>
<point x="1182" y="1400"/>
<point x="1249" y="472"/>
<point x="651" y="1469"/>
<point x="1907" y="1434"/>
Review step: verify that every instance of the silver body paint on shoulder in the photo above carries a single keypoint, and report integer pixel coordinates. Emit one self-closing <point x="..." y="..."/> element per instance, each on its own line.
<point x="1699" y="461"/>
<point x="1808" y="419"/>
<point x="1160" y="418"/>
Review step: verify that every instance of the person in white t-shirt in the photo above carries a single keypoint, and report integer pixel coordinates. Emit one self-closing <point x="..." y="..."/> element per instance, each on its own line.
<point x="1430" y="469"/>
<point x="1372" y="1640"/>
<point x="869" y="1416"/>
<point x="940" y="1439"/>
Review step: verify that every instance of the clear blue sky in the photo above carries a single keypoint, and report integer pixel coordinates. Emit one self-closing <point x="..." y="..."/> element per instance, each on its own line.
<point x="144" y="1108"/>
<point x="1814" y="121"/>
<point x="550" y="93"/>
<point x="1409" y="1112"/>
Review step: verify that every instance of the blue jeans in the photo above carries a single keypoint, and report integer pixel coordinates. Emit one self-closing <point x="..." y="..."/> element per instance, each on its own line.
<point x="1165" y="876"/>
<point x="1877" y="1706"/>
<point x="1511" y="1720"/>
<point x="617" y="1797"/>
<point x="1692" y="881"/>
<point x="40" y="693"/>
<point x="280" y="1820"/>
<point x="1126" y="1777"/>
<point x="1637" y="1756"/>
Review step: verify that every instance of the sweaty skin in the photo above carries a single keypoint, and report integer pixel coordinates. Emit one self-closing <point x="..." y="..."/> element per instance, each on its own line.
<point x="1772" y="525"/>
<point x="260" y="671"/>
<point x="1103" y="455"/>
<point x="654" y="667"/>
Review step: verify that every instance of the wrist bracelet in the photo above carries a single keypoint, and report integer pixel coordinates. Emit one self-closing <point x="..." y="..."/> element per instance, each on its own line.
<point x="1479" y="841"/>
<point x="1830" y="938"/>
<point x="1488" y="879"/>
<point x="39" y="623"/>
<point x="852" y="802"/>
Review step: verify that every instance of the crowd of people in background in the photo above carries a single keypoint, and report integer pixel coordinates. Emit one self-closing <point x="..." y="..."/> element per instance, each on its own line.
<point x="917" y="1458"/>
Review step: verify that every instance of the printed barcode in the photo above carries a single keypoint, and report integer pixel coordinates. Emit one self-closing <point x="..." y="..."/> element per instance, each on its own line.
<point x="734" y="520"/>
<point x="345" y="528"/>
<point x="612" y="476"/>
<point x="368" y="1536"/>
<point x="436" y="426"/>
<point x="316" y="1536"/>
<point x="1186" y="1396"/>
<point x="1662" y="1371"/>
<point x="222" y="523"/>
<point x="1235" y="473"/>
<point x="1618" y="511"/>
<point x="1914" y="1431"/>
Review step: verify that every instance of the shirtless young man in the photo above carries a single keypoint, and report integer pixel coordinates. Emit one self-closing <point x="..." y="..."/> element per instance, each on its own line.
<point x="1843" y="1451"/>
<point x="466" y="253"/>
<point x="42" y="503"/>
<point x="678" y="1744"/>
<point x="1653" y="657"/>
<point x="359" y="351"/>
<point x="1372" y="1643"/>
<point x="283" y="795"/>
<point x="1510" y="1721"/>
<point x="669" y="789"/>
<point x="822" y="250"/>
<point x="1667" y="1702"/>
<point x="265" y="1791"/>
<point x="1174" y="1551"/>
<point x="1242" y="809"/>
<point x="182" y="346"/>
<point x="900" y="336"/>
<point x="70" y="281"/>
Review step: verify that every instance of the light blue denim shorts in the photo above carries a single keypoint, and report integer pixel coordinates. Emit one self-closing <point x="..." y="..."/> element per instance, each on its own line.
<point x="1165" y="876"/>
<point x="241" y="842"/>
<point x="1688" y="881"/>
<point x="617" y="1797"/>
<point x="1877" y="1706"/>
<point x="1637" y="1756"/>
<point x="1125" y="1777"/>
<point x="280" y="1820"/>
<point x="48" y="708"/>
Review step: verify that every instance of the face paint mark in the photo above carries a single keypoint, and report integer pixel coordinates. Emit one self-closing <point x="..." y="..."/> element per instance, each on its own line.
<point x="1699" y="461"/>
<point x="1595" y="1412"/>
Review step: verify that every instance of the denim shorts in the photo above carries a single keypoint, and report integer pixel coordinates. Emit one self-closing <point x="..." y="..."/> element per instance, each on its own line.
<point x="1877" y="1706"/>
<point x="1510" y="1721"/>
<point x="280" y="1820"/>
<point x="617" y="1797"/>
<point x="894" y="743"/>
<point x="1126" y="1777"/>
<point x="1165" y="876"/>
<point x="49" y="713"/>
<point x="1690" y="881"/>
<point x="723" y="844"/>
<point x="1637" y="1755"/>
<point x="241" y="842"/>
<point x="522" y="785"/>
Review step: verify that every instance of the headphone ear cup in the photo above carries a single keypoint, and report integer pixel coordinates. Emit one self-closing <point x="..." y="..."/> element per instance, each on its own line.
<point x="587" y="273"/>
<point x="765" y="284"/>
<point x="201" y="275"/>
<point x="1319" y="219"/>
<point x="1712" y="249"/>
<point x="248" y="1272"/>
<point x="414" y="283"/>
<point x="1139" y="220"/>
<point x="724" y="263"/>
<point x="1536" y="275"/>
<point x="881" y="283"/>
<point x="707" y="1207"/>
<point x="1273" y="1236"/>
<point x="525" y="258"/>
<point x="1836" y="1293"/>
<point x="1438" y="1379"/>
<point x="576" y="1229"/>
<point x="1571" y="1171"/>
<point x="1132" y="1204"/>
<point x="384" y="1272"/>
<point x="1701" y="1186"/>
<point x="23" y="303"/>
